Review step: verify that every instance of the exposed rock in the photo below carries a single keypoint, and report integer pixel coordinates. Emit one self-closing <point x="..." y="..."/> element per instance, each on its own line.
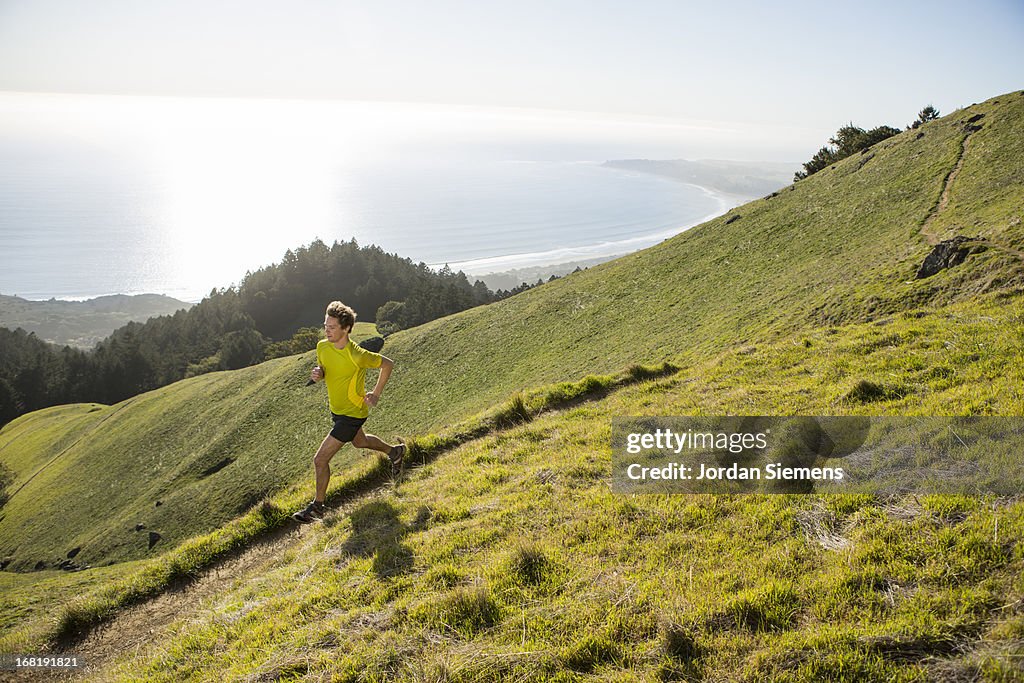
<point x="949" y="253"/>
<point x="732" y="219"/>
<point x="969" y="124"/>
<point x="140" y="527"/>
<point x="72" y="553"/>
<point x="374" y="344"/>
<point x="154" y="537"/>
<point x="865" y="160"/>
<point x="159" y="503"/>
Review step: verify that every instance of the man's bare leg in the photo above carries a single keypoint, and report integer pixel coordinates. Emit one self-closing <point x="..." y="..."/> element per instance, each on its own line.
<point x="322" y="465"/>
<point x="396" y="453"/>
<point x="364" y="440"/>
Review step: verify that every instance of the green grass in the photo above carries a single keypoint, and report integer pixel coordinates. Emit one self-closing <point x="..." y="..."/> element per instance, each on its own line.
<point x="29" y="602"/>
<point x="448" y="550"/>
<point x="516" y="562"/>
<point x="184" y="459"/>
<point x="361" y="331"/>
<point x="74" y="617"/>
<point x="505" y="556"/>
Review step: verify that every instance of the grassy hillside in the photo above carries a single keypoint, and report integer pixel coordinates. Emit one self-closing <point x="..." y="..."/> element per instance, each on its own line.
<point x="195" y="454"/>
<point x="842" y="246"/>
<point x="508" y="558"/>
<point x="781" y="306"/>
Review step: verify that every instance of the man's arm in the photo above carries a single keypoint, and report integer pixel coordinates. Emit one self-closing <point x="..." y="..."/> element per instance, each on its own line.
<point x="386" y="364"/>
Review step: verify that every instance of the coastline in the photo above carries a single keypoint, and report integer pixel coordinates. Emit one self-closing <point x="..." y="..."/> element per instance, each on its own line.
<point x="604" y="250"/>
<point x="551" y="261"/>
<point x="544" y="263"/>
<point x="606" y="230"/>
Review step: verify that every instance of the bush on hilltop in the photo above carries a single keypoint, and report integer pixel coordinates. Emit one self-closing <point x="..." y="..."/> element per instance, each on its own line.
<point x="848" y="140"/>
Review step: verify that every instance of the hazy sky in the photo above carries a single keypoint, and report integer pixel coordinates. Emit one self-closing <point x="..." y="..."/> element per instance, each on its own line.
<point x="813" y="64"/>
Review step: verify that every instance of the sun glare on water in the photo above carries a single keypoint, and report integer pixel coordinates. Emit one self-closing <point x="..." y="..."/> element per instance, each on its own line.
<point x="261" y="187"/>
<point x="198" y="191"/>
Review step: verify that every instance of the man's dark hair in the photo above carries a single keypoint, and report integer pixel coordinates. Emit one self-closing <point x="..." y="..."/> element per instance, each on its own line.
<point x="345" y="315"/>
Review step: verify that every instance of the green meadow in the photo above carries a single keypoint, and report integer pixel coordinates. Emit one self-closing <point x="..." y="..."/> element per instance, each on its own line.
<point x="503" y="554"/>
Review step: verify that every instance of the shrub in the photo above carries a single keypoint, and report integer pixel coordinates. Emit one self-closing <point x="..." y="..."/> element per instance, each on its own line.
<point x="929" y="113"/>
<point x="848" y="140"/>
<point x="444" y="576"/>
<point x="304" y="339"/>
<point x="771" y="610"/>
<point x="391" y="317"/>
<point x="512" y="413"/>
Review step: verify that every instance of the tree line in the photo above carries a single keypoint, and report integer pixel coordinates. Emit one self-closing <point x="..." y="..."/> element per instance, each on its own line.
<point x="276" y="310"/>
<point x="851" y="139"/>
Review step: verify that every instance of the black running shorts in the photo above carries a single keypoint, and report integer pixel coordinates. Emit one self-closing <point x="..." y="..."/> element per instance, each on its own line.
<point x="345" y="427"/>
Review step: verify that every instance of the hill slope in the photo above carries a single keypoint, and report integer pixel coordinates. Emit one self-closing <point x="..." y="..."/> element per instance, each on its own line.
<point x="177" y="446"/>
<point x="841" y="246"/>
<point x="507" y="558"/>
<point x="779" y="310"/>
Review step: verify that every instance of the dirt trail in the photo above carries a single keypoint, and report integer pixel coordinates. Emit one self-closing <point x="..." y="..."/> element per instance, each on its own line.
<point x="137" y="627"/>
<point x="926" y="228"/>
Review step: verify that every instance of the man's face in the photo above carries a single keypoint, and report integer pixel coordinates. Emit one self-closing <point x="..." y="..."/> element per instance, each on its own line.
<point x="333" y="329"/>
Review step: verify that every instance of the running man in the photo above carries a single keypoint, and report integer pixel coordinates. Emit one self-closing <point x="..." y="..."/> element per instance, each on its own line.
<point x="343" y="363"/>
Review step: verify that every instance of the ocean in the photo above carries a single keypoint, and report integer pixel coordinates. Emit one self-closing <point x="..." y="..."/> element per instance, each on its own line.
<point x="103" y="195"/>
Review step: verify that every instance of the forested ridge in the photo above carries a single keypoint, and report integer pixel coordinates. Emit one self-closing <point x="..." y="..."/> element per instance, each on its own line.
<point x="233" y="327"/>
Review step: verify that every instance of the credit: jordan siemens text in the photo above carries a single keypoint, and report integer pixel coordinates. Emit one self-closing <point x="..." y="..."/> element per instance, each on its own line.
<point x="774" y="470"/>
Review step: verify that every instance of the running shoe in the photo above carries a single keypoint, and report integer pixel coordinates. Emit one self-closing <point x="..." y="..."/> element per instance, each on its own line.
<point x="397" y="458"/>
<point x="312" y="513"/>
